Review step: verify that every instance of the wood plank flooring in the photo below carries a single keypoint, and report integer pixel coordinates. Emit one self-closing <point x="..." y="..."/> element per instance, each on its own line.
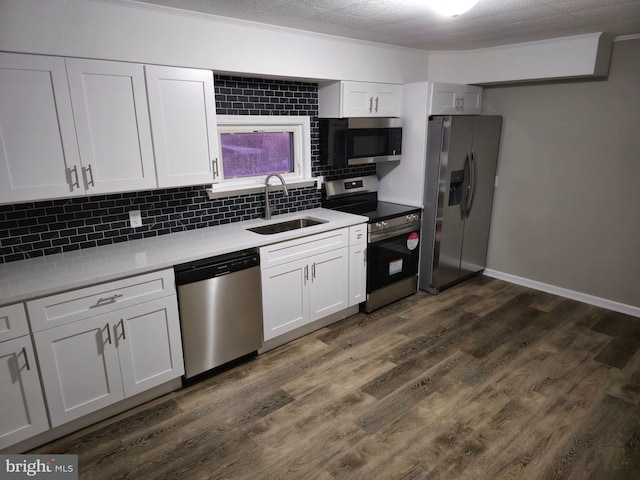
<point x="487" y="380"/>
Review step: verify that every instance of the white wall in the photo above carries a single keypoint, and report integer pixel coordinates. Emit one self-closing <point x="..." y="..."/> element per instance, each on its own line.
<point x="119" y="30"/>
<point x="567" y="209"/>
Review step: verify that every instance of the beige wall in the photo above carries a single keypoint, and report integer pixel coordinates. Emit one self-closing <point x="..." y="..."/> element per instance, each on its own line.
<point x="567" y="209"/>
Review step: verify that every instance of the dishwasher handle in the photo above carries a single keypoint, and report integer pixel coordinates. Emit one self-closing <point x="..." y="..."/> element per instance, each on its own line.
<point x="213" y="267"/>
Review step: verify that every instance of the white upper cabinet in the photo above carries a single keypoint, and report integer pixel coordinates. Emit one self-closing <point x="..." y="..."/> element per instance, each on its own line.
<point x="454" y="99"/>
<point x="112" y="124"/>
<point x="81" y="127"/>
<point x="183" y="124"/>
<point x="359" y="99"/>
<point x="38" y="148"/>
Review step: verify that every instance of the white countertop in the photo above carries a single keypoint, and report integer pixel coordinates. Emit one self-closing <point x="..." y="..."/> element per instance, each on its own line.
<point x="36" y="277"/>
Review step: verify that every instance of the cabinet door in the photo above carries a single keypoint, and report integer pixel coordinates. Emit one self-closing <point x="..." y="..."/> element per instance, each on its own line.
<point x="38" y="148"/>
<point x="443" y="99"/>
<point x="183" y="124"/>
<point x="149" y="344"/>
<point x="470" y="99"/>
<point x="23" y="411"/>
<point x="329" y="291"/>
<point x="80" y="368"/>
<point x="357" y="274"/>
<point x="112" y="123"/>
<point x="360" y="99"/>
<point x="285" y="298"/>
<point x="357" y="99"/>
<point x="387" y="100"/>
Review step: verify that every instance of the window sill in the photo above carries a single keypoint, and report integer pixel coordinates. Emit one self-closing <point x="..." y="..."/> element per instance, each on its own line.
<point x="222" y="190"/>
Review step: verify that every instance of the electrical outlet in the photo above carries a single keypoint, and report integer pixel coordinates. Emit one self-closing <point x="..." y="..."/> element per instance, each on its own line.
<point x="135" y="218"/>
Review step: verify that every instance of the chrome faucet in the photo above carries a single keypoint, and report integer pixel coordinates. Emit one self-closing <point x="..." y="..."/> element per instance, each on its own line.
<point x="267" y="206"/>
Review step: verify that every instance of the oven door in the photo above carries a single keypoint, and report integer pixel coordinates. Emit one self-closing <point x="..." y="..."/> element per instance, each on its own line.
<point x="392" y="256"/>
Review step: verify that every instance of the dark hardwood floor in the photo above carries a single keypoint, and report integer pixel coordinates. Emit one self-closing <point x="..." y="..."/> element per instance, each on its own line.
<point x="487" y="380"/>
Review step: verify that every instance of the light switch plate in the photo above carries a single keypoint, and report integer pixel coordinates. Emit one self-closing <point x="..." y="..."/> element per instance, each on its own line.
<point x="135" y="218"/>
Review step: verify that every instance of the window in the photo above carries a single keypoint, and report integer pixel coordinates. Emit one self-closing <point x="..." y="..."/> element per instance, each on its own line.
<point x="252" y="147"/>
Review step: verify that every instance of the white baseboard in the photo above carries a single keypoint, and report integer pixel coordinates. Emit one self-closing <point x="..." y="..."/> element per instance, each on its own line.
<point x="564" y="292"/>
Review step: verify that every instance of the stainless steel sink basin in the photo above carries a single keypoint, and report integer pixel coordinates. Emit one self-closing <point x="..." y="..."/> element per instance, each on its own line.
<point x="287" y="225"/>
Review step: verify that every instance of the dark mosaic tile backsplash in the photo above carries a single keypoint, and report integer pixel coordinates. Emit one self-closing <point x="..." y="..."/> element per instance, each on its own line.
<point x="35" y="229"/>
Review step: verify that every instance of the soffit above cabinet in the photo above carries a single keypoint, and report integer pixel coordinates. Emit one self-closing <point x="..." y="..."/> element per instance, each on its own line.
<point x="413" y="24"/>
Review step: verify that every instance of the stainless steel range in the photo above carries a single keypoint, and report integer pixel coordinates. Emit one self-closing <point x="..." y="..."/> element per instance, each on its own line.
<point x="393" y="238"/>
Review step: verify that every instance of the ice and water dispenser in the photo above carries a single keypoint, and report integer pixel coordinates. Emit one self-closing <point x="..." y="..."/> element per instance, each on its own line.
<point x="456" y="188"/>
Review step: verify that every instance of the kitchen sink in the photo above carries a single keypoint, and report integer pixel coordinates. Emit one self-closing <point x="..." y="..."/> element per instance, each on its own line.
<point x="286" y="226"/>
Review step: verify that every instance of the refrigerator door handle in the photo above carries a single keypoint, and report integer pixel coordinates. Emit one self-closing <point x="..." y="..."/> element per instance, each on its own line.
<point x="467" y="193"/>
<point x="473" y="170"/>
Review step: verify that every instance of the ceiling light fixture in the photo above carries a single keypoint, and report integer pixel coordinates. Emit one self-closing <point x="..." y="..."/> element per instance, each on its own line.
<point x="451" y="8"/>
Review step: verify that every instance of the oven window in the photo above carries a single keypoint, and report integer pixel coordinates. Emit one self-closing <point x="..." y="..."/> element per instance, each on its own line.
<point x="392" y="260"/>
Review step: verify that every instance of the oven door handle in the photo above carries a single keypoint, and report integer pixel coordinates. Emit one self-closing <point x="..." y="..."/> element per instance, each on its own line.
<point x="392" y="232"/>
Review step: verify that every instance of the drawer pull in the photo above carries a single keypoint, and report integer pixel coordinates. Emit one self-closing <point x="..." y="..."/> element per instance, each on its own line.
<point x="26" y="359"/>
<point x="107" y="300"/>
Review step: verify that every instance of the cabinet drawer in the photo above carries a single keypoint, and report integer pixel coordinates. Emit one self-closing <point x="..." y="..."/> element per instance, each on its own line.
<point x="358" y="234"/>
<point x="87" y="302"/>
<point x="292" y="250"/>
<point x="13" y="322"/>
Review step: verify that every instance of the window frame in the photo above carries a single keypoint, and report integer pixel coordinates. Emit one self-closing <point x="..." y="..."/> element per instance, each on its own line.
<point x="300" y="126"/>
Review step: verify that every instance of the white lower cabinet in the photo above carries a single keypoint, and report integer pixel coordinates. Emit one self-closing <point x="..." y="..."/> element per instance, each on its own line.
<point x="285" y="298"/>
<point x="80" y="368"/>
<point x="357" y="264"/>
<point x="23" y="411"/>
<point x="93" y="363"/>
<point x="329" y="284"/>
<point x="149" y="345"/>
<point x="304" y="280"/>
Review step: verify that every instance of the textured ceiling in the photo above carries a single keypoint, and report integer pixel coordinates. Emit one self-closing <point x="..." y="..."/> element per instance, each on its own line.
<point x="411" y="23"/>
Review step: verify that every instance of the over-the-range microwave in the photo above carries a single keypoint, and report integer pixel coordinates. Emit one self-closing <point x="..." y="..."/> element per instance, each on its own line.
<point x="356" y="141"/>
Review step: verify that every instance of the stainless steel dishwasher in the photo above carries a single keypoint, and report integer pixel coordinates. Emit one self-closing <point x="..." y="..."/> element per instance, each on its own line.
<point x="220" y="303"/>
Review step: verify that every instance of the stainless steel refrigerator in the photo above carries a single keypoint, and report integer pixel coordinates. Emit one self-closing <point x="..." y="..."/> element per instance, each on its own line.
<point x="462" y="155"/>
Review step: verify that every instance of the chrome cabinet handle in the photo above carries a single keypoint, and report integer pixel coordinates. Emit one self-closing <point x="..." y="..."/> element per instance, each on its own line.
<point x="462" y="104"/>
<point x="121" y="323"/>
<point x="313" y="271"/>
<point x="306" y="274"/>
<point x="26" y="359"/>
<point x="73" y="171"/>
<point x="376" y="104"/>
<point x="370" y="104"/>
<point x="106" y="301"/>
<point x="214" y="166"/>
<point x="88" y="182"/>
<point x="108" y="334"/>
